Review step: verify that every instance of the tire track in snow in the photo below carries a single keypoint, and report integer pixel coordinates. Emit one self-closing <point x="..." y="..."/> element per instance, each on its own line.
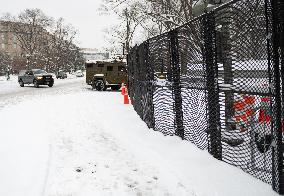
<point x="30" y="92"/>
<point x="48" y="165"/>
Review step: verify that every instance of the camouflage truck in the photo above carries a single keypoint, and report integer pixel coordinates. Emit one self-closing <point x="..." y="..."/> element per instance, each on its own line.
<point x="103" y="74"/>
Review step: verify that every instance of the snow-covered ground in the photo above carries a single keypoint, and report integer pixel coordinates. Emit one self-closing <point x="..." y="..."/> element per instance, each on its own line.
<point x="71" y="141"/>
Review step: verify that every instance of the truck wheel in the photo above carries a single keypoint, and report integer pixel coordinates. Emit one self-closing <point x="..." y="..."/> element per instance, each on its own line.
<point x="115" y="88"/>
<point x="99" y="85"/>
<point x="50" y="84"/>
<point x="36" y="84"/>
<point x="21" y="83"/>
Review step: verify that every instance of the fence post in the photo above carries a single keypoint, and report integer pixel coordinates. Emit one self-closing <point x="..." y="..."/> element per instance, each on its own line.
<point x="210" y="59"/>
<point x="226" y="49"/>
<point x="173" y="35"/>
<point x="135" y="78"/>
<point x="275" y="20"/>
<point x="150" y="78"/>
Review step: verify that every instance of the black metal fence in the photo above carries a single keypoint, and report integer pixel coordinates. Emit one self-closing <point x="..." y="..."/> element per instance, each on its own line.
<point x="217" y="82"/>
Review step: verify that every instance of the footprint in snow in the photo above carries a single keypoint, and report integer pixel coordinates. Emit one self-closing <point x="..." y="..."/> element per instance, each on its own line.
<point x="79" y="169"/>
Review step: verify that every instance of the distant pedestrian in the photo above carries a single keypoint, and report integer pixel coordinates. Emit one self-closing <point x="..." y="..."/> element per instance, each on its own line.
<point x="8" y="74"/>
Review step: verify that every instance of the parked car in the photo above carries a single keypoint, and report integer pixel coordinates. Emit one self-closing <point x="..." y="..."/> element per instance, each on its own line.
<point x="79" y="73"/>
<point x="36" y="77"/>
<point x="61" y="74"/>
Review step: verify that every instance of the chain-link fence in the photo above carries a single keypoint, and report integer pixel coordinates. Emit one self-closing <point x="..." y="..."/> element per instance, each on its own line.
<point x="217" y="82"/>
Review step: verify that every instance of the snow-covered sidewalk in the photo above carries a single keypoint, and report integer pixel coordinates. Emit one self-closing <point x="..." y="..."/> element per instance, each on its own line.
<point x="87" y="143"/>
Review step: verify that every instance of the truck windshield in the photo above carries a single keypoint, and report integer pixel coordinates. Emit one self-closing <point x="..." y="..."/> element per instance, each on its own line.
<point x="39" y="72"/>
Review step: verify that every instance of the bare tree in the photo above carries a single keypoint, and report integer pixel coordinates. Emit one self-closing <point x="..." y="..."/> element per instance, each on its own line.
<point x="170" y="13"/>
<point x="5" y="62"/>
<point x="153" y="17"/>
<point x="29" y="28"/>
<point x="75" y="59"/>
<point x="61" y="43"/>
<point x="45" y="43"/>
<point x="57" y="46"/>
<point x="131" y="16"/>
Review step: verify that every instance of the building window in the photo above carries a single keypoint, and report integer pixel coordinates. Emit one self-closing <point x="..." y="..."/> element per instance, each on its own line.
<point x="100" y="65"/>
<point x="90" y="65"/>
<point x="109" y="68"/>
<point x="15" y="41"/>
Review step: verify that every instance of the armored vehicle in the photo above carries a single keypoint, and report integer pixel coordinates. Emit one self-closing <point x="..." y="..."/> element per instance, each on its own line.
<point x="36" y="77"/>
<point x="107" y="73"/>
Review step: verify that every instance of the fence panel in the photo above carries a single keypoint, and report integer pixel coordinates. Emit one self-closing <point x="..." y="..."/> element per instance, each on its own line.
<point x="217" y="81"/>
<point x="244" y="96"/>
<point x="192" y="76"/>
<point x="163" y="99"/>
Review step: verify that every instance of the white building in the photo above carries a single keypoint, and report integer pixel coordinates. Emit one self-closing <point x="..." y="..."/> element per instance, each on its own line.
<point x="94" y="54"/>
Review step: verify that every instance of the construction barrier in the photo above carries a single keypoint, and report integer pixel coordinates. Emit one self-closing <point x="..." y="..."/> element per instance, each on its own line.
<point x="244" y="111"/>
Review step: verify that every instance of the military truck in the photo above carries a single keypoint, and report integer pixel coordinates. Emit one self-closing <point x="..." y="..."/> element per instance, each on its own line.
<point x="107" y="73"/>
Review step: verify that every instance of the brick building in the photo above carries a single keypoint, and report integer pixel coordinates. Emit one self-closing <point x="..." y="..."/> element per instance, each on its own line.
<point x="9" y="45"/>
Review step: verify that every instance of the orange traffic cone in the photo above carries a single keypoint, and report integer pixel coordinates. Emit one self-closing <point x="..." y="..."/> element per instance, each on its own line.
<point x="126" y="99"/>
<point x="123" y="89"/>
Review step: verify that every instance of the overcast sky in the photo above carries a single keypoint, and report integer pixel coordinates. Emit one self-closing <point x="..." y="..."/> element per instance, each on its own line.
<point x="82" y="14"/>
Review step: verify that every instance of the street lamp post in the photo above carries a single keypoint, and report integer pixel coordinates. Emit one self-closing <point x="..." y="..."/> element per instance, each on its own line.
<point x="28" y="61"/>
<point x="123" y="48"/>
<point x="202" y="6"/>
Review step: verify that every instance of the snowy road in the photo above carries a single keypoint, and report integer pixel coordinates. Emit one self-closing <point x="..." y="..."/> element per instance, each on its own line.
<point x="11" y="92"/>
<point x="30" y="89"/>
<point x="71" y="141"/>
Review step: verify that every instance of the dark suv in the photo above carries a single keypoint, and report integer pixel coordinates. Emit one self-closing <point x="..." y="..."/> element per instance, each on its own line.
<point x="36" y="77"/>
